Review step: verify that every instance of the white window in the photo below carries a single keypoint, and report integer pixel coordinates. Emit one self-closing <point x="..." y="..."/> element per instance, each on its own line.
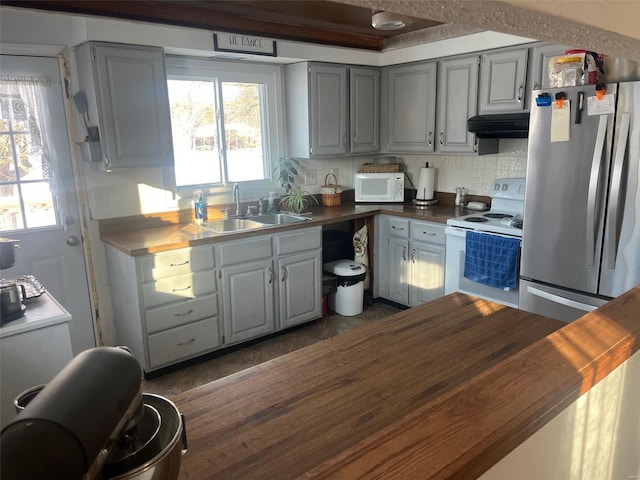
<point x="226" y="119"/>
<point x="26" y="198"/>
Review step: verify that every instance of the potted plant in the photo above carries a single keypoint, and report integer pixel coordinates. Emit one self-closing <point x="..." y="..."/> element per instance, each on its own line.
<point x="294" y="199"/>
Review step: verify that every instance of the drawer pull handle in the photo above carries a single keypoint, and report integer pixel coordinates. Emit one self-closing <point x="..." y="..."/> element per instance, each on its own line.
<point x="181" y="289"/>
<point x="188" y="312"/>
<point x="182" y="344"/>
<point x="430" y="234"/>
<point x="186" y="262"/>
<point x="397" y="228"/>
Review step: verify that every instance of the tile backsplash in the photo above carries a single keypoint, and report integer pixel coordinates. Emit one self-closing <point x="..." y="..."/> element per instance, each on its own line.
<point x="474" y="172"/>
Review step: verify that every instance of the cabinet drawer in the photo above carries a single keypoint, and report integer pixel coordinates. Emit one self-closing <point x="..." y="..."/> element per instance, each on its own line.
<point x="245" y="251"/>
<point x="428" y="232"/>
<point x="181" y="313"/>
<point x="183" y="342"/>
<point x="299" y="241"/>
<point x="399" y="227"/>
<point x="179" y="287"/>
<point x="162" y="265"/>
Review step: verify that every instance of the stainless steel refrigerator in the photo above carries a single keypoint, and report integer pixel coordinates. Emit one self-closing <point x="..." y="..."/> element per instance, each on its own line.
<point x="581" y="232"/>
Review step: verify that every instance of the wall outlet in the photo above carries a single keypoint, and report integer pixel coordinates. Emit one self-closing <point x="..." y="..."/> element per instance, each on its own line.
<point x="101" y="197"/>
<point x="310" y="176"/>
<point x="336" y="172"/>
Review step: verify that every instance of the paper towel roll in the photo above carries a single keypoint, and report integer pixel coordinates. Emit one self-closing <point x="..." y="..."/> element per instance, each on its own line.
<point x="426" y="183"/>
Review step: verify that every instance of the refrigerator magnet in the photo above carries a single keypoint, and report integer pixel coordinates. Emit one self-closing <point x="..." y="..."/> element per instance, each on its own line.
<point x="560" y="121"/>
<point x="601" y="107"/>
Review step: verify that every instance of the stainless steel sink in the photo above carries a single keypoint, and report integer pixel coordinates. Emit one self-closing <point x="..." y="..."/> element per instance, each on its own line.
<point x="278" y="218"/>
<point x="232" y="225"/>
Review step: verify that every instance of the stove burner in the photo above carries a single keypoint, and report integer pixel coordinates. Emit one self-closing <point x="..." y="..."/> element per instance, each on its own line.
<point x="498" y="215"/>
<point x="476" y="219"/>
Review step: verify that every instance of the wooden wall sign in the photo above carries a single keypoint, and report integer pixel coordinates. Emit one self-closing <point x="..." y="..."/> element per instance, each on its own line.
<point x="237" y="43"/>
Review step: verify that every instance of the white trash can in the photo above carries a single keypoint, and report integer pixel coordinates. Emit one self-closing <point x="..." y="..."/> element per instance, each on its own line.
<point x="348" y="298"/>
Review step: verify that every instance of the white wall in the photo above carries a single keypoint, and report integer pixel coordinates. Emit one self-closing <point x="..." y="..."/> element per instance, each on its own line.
<point x="596" y="438"/>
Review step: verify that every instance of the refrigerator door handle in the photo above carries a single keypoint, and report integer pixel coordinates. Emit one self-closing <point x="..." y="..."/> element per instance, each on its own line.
<point x="616" y="189"/>
<point x="561" y="300"/>
<point x="594" y="179"/>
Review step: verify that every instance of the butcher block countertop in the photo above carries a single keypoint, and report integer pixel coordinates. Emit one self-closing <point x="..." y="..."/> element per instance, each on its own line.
<point x="161" y="232"/>
<point x="444" y="390"/>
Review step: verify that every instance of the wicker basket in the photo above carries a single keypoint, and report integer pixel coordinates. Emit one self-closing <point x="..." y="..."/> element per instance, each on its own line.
<point x="380" y="168"/>
<point x="330" y="191"/>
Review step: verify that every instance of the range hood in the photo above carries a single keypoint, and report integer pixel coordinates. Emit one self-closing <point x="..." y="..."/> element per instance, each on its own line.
<point x="506" y="125"/>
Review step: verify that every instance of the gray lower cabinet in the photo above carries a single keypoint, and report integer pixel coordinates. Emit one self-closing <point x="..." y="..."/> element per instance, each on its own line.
<point x="172" y="306"/>
<point x="457" y="102"/>
<point x="248" y="287"/>
<point x="126" y="89"/>
<point x="165" y="305"/>
<point x="300" y="276"/>
<point x="412" y="269"/>
<point x="258" y="299"/>
<point x="503" y="81"/>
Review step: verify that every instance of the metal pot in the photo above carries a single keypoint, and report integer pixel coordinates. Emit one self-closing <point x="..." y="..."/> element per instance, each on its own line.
<point x="8" y="252"/>
<point x="160" y="457"/>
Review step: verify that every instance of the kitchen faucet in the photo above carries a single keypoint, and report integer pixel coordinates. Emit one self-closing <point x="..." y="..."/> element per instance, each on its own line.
<point x="236" y="197"/>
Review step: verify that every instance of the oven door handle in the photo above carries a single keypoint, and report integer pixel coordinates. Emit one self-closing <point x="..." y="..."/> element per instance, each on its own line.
<point x="561" y="300"/>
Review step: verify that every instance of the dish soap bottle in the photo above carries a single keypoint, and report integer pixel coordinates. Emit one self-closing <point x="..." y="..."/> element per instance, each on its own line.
<point x="199" y="207"/>
<point x="271" y="208"/>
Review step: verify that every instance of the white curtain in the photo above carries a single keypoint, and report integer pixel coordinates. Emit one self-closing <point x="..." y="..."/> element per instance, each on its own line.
<point x="22" y="99"/>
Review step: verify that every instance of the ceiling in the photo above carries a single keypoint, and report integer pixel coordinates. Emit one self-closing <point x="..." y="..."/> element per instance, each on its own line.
<point x="315" y="21"/>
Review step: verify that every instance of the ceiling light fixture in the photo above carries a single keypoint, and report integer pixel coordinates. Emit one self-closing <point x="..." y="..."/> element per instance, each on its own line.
<point x="388" y="21"/>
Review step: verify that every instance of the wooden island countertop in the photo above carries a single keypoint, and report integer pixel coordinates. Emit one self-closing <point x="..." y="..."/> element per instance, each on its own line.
<point x="444" y="390"/>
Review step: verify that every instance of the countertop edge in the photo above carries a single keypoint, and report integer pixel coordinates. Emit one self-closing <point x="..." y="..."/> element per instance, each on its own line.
<point x="175" y="236"/>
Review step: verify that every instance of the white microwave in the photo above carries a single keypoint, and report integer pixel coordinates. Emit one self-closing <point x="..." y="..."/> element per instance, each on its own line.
<point x="379" y="187"/>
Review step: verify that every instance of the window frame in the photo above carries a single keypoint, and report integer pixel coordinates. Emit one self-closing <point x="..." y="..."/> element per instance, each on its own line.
<point x="271" y="76"/>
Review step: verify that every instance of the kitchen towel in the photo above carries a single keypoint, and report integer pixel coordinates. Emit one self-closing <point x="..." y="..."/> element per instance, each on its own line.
<point x="361" y="250"/>
<point x="492" y="260"/>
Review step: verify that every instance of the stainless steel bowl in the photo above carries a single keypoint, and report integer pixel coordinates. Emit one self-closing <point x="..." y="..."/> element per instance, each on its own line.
<point x="158" y="458"/>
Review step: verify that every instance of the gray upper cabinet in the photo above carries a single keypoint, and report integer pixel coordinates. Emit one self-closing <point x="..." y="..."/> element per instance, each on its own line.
<point x="364" y="109"/>
<point x="320" y="120"/>
<point x="503" y="81"/>
<point x="409" y="105"/>
<point x="126" y="88"/>
<point x="457" y="102"/>
<point x="539" y="64"/>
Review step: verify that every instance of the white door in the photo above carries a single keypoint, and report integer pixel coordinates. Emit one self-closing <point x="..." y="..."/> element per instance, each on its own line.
<point x="38" y="203"/>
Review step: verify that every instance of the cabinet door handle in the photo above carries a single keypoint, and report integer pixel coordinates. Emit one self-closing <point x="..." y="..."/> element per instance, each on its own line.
<point x="182" y="344"/>
<point x="520" y="91"/>
<point x="179" y="264"/>
<point x="185" y="314"/>
<point x="404" y="253"/>
<point x="430" y="138"/>
<point x="181" y="289"/>
<point x="413" y="256"/>
<point x="284" y="273"/>
<point x="270" y="275"/>
<point x="441" y="137"/>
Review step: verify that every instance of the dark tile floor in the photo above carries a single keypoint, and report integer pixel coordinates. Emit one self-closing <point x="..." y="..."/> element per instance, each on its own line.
<point x="224" y="364"/>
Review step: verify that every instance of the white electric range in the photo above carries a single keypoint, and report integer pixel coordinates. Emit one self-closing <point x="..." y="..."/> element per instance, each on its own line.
<point x="505" y="218"/>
